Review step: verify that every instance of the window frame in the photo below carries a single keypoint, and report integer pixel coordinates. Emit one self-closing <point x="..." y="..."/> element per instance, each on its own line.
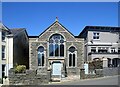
<point x="3" y="36"/>
<point x="59" y="43"/>
<point x="72" y="53"/>
<point x="3" y="52"/>
<point x="118" y="49"/>
<point x="96" y="35"/>
<point x="113" y="50"/>
<point x="103" y="50"/>
<point x="93" y="48"/>
<point x="41" y="59"/>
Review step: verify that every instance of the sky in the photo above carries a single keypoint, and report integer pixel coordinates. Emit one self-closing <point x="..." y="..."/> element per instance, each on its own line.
<point x="37" y="16"/>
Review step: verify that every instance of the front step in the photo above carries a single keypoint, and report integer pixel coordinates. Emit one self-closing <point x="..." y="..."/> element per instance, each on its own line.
<point x="56" y="78"/>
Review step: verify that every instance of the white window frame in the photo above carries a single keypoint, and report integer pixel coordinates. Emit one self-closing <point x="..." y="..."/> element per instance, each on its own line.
<point x="3" y="52"/>
<point x="94" y="49"/>
<point x="44" y="52"/>
<point x="54" y="47"/>
<point x="96" y="34"/>
<point x="3" y="36"/>
<point x="113" y="50"/>
<point x="118" y="49"/>
<point x="72" y="58"/>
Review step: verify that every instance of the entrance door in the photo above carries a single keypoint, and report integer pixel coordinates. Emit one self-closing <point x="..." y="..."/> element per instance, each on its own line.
<point x="56" y="69"/>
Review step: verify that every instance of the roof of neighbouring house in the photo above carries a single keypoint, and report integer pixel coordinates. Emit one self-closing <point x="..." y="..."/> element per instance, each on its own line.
<point x="100" y="28"/>
<point x="16" y="31"/>
<point x="2" y="26"/>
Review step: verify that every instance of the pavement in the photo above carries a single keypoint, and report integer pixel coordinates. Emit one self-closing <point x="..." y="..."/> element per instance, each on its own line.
<point x="107" y="80"/>
<point x="1" y="85"/>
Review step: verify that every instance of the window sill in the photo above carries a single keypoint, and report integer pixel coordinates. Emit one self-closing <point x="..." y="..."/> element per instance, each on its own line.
<point x="96" y="39"/>
<point x="3" y="40"/>
<point x="41" y="66"/>
<point x="72" y="67"/>
<point x="56" y="58"/>
<point x="3" y="59"/>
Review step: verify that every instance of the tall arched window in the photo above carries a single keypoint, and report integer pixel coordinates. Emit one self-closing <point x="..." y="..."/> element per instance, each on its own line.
<point x="72" y="57"/>
<point x="56" y="46"/>
<point x="41" y="56"/>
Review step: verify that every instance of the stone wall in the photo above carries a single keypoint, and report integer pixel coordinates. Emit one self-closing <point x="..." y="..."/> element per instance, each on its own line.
<point x="101" y="73"/>
<point x="30" y="77"/>
<point x="111" y="71"/>
<point x="108" y="71"/>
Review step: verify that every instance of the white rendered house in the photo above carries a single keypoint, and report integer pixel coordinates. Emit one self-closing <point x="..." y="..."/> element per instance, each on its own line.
<point x="13" y="48"/>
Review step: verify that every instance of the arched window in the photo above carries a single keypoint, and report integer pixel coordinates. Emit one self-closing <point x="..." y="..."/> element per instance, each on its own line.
<point x="41" y="56"/>
<point x="56" y="46"/>
<point x="72" y="57"/>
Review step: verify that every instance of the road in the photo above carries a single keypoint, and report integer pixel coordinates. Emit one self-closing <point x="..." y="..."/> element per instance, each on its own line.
<point x="111" y="80"/>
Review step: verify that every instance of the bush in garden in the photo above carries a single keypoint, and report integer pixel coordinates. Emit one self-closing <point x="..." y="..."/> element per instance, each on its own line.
<point x="20" y="68"/>
<point x="96" y="64"/>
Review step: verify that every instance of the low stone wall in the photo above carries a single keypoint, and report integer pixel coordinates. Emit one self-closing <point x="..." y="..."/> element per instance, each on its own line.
<point x="111" y="71"/>
<point x="101" y="73"/>
<point x="30" y="77"/>
<point x="89" y="76"/>
<point x="108" y="71"/>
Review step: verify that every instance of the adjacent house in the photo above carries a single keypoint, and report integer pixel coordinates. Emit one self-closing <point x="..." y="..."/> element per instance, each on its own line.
<point x="102" y="43"/>
<point x="14" y="47"/>
<point x="56" y="49"/>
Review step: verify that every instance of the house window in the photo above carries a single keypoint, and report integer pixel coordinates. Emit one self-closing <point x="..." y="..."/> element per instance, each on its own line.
<point x="112" y="50"/>
<point x="102" y="49"/>
<point x="41" y="56"/>
<point x="3" y="36"/>
<point x="72" y="57"/>
<point x="3" y="70"/>
<point x="56" y="46"/>
<point x="93" y="49"/>
<point x="3" y="52"/>
<point x="96" y="35"/>
<point x="118" y="50"/>
<point x="119" y="36"/>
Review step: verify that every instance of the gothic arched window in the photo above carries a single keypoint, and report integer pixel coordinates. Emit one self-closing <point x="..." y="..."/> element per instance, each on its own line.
<point x="41" y="56"/>
<point x="56" y="46"/>
<point x="72" y="56"/>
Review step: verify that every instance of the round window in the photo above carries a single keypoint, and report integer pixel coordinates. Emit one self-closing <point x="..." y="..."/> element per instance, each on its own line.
<point x="72" y="49"/>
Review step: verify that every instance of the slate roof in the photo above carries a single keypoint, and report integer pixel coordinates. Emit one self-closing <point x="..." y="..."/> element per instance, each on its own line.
<point x="16" y="31"/>
<point x="3" y="26"/>
<point x="13" y="31"/>
<point x="99" y="28"/>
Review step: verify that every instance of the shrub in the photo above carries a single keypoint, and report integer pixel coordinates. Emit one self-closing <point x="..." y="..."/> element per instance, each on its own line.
<point x="96" y="64"/>
<point x="20" y="68"/>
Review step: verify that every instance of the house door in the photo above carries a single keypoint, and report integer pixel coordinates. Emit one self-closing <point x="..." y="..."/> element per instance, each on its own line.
<point x="56" y="69"/>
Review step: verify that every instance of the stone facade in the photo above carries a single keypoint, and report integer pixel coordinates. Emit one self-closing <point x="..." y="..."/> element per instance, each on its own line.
<point x="69" y="40"/>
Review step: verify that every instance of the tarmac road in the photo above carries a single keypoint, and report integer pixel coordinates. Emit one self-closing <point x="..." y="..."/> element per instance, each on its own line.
<point x="109" y="80"/>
